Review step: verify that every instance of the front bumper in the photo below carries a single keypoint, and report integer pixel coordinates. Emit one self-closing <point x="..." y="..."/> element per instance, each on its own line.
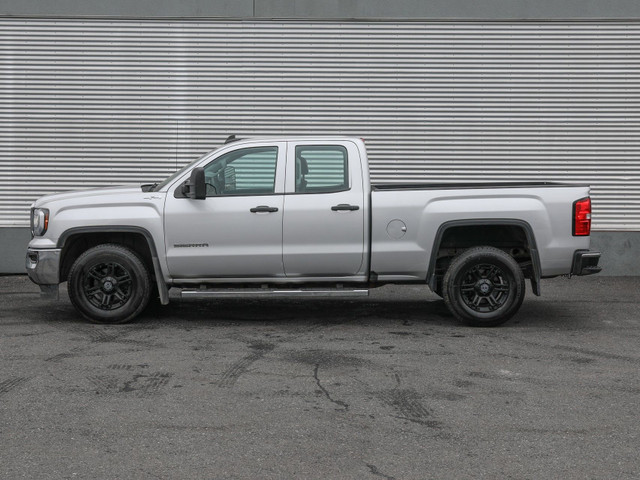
<point x="43" y="268"/>
<point x="585" y="262"/>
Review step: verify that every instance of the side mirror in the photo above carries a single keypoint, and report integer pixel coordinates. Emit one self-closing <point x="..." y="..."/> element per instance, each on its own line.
<point x="196" y="187"/>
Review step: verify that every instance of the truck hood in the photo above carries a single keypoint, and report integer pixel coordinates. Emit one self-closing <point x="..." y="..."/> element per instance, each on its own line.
<point x="102" y="207"/>
<point x="107" y="193"/>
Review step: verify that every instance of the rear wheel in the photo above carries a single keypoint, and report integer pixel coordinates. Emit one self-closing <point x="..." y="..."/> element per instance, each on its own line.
<point x="109" y="284"/>
<point x="483" y="287"/>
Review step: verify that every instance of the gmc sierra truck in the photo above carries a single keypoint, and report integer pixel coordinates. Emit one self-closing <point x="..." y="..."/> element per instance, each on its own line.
<point x="299" y="216"/>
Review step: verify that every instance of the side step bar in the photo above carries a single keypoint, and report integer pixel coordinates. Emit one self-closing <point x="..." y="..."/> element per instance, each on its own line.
<point x="272" y="292"/>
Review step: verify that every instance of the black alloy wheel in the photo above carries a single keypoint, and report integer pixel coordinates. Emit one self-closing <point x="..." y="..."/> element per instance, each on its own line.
<point x="483" y="287"/>
<point x="107" y="285"/>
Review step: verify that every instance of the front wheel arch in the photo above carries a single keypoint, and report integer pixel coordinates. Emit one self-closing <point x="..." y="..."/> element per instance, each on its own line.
<point x="77" y="240"/>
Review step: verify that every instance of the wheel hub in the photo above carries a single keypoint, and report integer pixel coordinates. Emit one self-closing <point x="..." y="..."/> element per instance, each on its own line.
<point x="109" y="284"/>
<point x="484" y="287"/>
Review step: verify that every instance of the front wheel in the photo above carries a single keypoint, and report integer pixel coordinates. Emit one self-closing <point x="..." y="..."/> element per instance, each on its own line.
<point x="109" y="284"/>
<point x="483" y="287"/>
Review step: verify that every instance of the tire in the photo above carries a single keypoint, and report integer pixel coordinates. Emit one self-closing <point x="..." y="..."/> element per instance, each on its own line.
<point x="483" y="287"/>
<point x="109" y="284"/>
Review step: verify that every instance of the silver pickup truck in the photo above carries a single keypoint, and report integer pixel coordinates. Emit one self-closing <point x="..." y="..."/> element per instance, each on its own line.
<point x="298" y="216"/>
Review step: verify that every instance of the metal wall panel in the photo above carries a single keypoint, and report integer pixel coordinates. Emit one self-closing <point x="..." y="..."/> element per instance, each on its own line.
<point x="87" y="103"/>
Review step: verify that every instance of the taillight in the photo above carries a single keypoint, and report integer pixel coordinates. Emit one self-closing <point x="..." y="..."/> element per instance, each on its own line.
<point x="582" y="217"/>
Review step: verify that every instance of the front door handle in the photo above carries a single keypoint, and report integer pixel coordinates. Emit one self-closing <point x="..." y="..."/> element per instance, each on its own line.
<point x="345" y="206"/>
<point x="263" y="209"/>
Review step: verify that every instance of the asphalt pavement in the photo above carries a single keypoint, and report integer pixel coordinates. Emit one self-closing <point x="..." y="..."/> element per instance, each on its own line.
<point x="385" y="387"/>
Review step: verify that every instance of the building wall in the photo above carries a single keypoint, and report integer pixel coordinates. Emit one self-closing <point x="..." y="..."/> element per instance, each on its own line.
<point x="129" y="100"/>
<point x="331" y="9"/>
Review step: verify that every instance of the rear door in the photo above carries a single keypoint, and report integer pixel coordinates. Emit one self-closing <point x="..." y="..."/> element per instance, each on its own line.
<point x="323" y="224"/>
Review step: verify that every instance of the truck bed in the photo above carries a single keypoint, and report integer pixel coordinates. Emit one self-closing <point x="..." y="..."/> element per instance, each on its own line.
<point x="406" y="219"/>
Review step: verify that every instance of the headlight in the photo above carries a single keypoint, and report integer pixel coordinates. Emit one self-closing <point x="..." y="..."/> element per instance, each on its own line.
<point x="39" y="221"/>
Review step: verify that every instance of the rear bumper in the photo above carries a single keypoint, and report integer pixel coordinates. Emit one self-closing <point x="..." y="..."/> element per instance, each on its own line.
<point x="43" y="267"/>
<point x="585" y="262"/>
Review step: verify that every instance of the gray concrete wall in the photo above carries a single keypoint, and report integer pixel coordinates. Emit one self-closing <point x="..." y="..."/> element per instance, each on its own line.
<point x="13" y="247"/>
<point x="330" y="9"/>
<point x="620" y="251"/>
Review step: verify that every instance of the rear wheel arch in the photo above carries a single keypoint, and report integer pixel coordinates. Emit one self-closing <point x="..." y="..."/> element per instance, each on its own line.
<point x="483" y="232"/>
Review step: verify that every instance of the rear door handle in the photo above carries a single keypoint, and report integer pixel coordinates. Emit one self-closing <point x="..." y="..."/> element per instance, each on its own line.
<point x="263" y="209"/>
<point x="344" y="206"/>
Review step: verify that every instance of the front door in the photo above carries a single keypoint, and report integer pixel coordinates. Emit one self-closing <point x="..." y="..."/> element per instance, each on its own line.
<point x="323" y="230"/>
<point x="237" y="230"/>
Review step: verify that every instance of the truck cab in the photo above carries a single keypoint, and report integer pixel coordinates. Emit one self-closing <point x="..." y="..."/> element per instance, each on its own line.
<point x="271" y="210"/>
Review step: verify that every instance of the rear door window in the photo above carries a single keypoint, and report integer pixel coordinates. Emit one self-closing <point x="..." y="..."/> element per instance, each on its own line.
<point x="321" y="169"/>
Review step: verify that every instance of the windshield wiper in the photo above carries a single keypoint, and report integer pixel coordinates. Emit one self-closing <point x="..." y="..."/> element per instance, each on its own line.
<point x="148" y="187"/>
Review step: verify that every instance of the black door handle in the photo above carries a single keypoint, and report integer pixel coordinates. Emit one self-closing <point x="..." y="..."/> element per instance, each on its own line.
<point x="344" y="206"/>
<point x="263" y="209"/>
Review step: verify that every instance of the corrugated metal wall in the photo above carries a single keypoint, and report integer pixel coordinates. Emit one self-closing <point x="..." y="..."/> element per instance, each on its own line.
<point x="98" y="102"/>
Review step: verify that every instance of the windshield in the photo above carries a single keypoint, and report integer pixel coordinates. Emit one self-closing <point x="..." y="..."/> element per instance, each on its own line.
<point x="175" y="175"/>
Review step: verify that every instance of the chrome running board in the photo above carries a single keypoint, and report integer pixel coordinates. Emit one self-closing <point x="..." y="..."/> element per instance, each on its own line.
<point x="271" y="292"/>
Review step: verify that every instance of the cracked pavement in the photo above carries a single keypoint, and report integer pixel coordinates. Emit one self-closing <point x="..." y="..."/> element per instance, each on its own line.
<point x="388" y="387"/>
